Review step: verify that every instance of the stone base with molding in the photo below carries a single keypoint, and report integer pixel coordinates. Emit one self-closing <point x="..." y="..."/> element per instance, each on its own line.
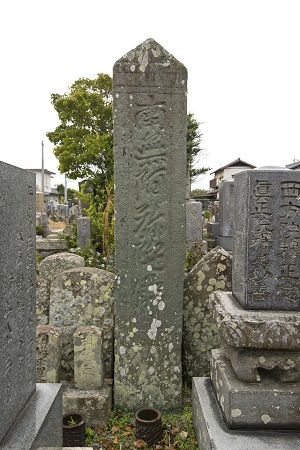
<point x="212" y="433"/>
<point x="268" y="404"/>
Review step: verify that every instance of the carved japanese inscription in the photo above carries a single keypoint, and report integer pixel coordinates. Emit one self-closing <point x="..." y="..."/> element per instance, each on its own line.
<point x="150" y="166"/>
<point x="17" y="292"/>
<point x="270" y="238"/>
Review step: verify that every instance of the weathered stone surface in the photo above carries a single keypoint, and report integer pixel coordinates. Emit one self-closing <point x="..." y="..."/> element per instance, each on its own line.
<point x="79" y="297"/>
<point x="48" y="354"/>
<point x="88" y="360"/>
<point x="39" y="425"/>
<point x="258" y="329"/>
<point x="95" y="405"/>
<point x="213" y="229"/>
<point x="246" y="362"/>
<point x="42" y="300"/>
<point x="212" y="272"/>
<point x="150" y="166"/>
<point x="267" y="405"/>
<point x="84" y="231"/>
<point x="54" y="264"/>
<point x="226" y="190"/>
<point x="225" y="242"/>
<point x="266" y="271"/>
<point x="51" y="245"/>
<point x="212" y="433"/>
<point x="17" y="292"/>
<point x="193" y="222"/>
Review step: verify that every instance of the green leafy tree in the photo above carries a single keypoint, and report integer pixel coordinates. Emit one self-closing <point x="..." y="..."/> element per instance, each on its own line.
<point x="194" y="150"/>
<point x="72" y="193"/>
<point x="84" y="148"/>
<point x="198" y="193"/>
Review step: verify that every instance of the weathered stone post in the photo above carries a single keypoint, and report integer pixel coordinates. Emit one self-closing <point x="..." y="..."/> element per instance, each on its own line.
<point x="150" y="120"/>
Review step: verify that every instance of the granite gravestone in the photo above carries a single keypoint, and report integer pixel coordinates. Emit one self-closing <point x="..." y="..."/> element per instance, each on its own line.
<point x="266" y="271"/>
<point x="21" y="398"/>
<point x="255" y="375"/>
<point x="224" y="237"/>
<point x="88" y="355"/>
<point x="150" y="120"/>
<point x="193" y="222"/>
<point x="84" y="232"/>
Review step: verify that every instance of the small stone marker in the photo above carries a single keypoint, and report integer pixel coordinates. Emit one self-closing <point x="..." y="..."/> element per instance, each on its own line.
<point x="226" y="198"/>
<point x="266" y="268"/>
<point x="48" y="353"/>
<point x="150" y="120"/>
<point x="88" y="364"/>
<point x="224" y="238"/>
<point x="84" y="232"/>
<point x="193" y="222"/>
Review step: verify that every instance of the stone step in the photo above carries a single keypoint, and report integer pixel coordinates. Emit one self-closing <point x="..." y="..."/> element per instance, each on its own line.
<point x="40" y="423"/>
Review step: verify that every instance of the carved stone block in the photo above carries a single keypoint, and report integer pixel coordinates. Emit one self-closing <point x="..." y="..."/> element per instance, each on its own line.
<point x="266" y="270"/>
<point x="264" y="405"/>
<point x="282" y="365"/>
<point x="257" y="329"/>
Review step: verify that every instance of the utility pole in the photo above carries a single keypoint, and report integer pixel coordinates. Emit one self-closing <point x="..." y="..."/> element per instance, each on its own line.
<point x="43" y="174"/>
<point x="43" y="171"/>
<point x="66" y="190"/>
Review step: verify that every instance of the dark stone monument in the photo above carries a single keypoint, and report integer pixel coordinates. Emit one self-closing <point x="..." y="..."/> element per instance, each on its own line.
<point x="21" y="398"/>
<point x="150" y="166"/>
<point x="255" y="375"/>
<point x="266" y="271"/>
<point x="84" y="232"/>
<point x="224" y="237"/>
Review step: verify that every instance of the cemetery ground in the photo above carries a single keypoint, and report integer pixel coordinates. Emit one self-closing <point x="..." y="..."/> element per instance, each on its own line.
<point x="178" y="432"/>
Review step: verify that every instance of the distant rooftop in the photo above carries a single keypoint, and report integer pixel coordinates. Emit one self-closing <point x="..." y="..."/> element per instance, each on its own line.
<point x="294" y="165"/>
<point x="237" y="163"/>
<point x="48" y="172"/>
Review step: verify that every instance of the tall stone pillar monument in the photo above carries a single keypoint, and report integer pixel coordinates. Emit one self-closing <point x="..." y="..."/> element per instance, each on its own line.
<point x="150" y="119"/>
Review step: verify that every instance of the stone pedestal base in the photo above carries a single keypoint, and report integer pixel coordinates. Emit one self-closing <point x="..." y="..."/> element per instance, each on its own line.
<point x="95" y="406"/>
<point x="212" y="433"/>
<point x="225" y="242"/>
<point x="40" y="424"/>
<point x="268" y="404"/>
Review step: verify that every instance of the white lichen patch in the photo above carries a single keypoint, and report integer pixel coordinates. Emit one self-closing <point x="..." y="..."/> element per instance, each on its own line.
<point x="153" y="288"/>
<point x="149" y="268"/>
<point x="161" y="305"/>
<point x="171" y="346"/>
<point x="122" y="350"/>
<point x="221" y="267"/>
<point x="236" y="413"/>
<point x="266" y="418"/>
<point x="153" y="330"/>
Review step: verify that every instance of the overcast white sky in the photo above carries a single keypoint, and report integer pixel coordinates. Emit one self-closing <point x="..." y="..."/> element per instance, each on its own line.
<point x="242" y="59"/>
